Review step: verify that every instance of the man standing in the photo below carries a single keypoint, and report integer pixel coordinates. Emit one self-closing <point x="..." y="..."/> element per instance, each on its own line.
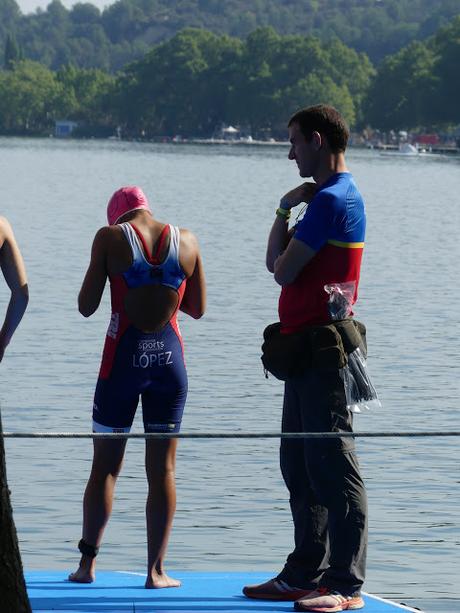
<point x="326" y="570"/>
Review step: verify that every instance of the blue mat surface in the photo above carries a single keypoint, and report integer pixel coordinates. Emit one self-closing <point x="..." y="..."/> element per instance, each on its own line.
<point x="120" y="592"/>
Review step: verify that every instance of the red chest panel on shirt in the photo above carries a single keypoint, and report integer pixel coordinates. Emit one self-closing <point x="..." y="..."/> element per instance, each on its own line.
<point x="304" y="302"/>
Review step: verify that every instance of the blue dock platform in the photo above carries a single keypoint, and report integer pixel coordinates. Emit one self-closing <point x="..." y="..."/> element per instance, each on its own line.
<point x="123" y="592"/>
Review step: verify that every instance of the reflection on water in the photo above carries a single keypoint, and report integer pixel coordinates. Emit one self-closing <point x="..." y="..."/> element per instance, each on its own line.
<point x="232" y="508"/>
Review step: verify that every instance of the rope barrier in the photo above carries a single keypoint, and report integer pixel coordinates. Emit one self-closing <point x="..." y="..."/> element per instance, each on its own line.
<point x="214" y="435"/>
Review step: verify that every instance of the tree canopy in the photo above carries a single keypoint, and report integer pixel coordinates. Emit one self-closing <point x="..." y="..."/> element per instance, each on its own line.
<point x="126" y="29"/>
<point x="419" y="85"/>
<point x="198" y="80"/>
<point x="32" y="97"/>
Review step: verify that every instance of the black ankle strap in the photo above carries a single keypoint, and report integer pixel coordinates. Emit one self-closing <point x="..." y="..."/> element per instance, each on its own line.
<point x="87" y="549"/>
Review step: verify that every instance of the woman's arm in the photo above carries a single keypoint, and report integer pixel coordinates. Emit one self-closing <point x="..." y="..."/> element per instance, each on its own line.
<point x="194" y="300"/>
<point x="93" y="285"/>
<point x="14" y="272"/>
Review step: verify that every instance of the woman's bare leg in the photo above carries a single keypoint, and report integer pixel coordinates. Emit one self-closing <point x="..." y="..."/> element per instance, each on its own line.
<point x="97" y="501"/>
<point x="160" y="464"/>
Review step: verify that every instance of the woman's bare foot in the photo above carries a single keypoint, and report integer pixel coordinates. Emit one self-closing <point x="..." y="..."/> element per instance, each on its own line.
<point x="157" y="580"/>
<point x="85" y="572"/>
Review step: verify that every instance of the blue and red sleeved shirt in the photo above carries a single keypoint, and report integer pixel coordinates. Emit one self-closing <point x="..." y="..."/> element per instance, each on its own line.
<point x="334" y="226"/>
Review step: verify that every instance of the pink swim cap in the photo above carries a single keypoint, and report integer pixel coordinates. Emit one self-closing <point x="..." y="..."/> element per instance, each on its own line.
<point x="123" y="201"/>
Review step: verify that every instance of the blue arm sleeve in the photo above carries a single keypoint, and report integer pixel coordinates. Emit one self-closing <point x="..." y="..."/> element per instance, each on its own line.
<point x="314" y="228"/>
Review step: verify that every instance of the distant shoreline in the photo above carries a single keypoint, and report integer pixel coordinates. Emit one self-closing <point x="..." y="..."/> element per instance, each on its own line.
<point x="381" y="147"/>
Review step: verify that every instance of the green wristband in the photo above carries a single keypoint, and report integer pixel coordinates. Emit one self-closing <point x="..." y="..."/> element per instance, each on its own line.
<point x="286" y="213"/>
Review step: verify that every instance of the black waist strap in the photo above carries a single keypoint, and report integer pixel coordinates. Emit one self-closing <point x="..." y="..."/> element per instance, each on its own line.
<point x="326" y="346"/>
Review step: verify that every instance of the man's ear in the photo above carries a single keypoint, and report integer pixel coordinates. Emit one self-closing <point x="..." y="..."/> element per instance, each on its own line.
<point x="316" y="140"/>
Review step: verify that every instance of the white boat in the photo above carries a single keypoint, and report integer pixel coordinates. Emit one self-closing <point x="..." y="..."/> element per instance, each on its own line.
<point x="408" y="149"/>
<point x="404" y="149"/>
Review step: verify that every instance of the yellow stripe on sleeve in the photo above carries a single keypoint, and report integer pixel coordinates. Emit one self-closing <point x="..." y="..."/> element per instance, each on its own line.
<point x="346" y="245"/>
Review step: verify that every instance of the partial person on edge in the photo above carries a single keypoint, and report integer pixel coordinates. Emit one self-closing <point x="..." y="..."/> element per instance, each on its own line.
<point x="326" y="569"/>
<point x="154" y="269"/>
<point x="12" y="584"/>
<point x="14" y="273"/>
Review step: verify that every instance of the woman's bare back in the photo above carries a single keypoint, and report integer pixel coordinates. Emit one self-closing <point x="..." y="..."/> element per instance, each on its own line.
<point x="148" y="307"/>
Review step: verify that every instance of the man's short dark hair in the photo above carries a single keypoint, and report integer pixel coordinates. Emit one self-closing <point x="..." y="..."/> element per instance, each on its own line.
<point x="327" y="121"/>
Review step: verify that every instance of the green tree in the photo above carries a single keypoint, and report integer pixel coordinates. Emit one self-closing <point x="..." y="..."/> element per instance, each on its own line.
<point x="316" y="89"/>
<point x="170" y="90"/>
<point x="86" y="94"/>
<point x="129" y="27"/>
<point x="85" y="13"/>
<point x="445" y="99"/>
<point x="123" y="20"/>
<point x="12" y="52"/>
<point x="401" y="94"/>
<point x="352" y="70"/>
<point x="197" y="81"/>
<point x="29" y="97"/>
<point x="256" y="103"/>
<point x="10" y="17"/>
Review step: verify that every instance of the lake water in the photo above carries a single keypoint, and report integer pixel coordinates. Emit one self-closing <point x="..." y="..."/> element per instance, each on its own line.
<point x="232" y="505"/>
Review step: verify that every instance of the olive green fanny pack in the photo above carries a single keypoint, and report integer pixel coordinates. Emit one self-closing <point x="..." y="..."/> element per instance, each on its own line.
<point x="321" y="347"/>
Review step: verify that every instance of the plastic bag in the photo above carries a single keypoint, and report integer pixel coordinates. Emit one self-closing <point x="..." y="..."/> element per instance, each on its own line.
<point x="341" y="297"/>
<point x="359" y="391"/>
